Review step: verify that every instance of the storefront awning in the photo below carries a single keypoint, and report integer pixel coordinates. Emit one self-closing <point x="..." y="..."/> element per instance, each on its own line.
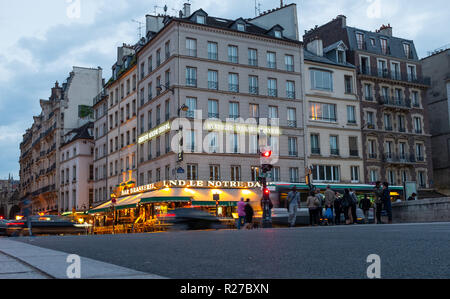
<point x="213" y="203"/>
<point x="122" y="203"/>
<point x="165" y="199"/>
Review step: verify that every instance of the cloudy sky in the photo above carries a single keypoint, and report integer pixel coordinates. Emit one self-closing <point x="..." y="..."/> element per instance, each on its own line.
<point x="42" y="40"/>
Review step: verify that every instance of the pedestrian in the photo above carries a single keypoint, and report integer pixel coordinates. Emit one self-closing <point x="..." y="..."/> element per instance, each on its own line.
<point x="312" y="204"/>
<point x="293" y="202"/>
<point x="330" y="197"/>
<point x="386" y="199"/>
<point x="26" y="207"/>
<point x="347" y="202"/>
<point x="241" y="213"/>
<point x="321" y="199"/>
<point x="378" y="202"/>
<point x="248" y="215"/>
<point x="412" y="197"/>
<point x="354" y="205"/>
<point x="365" y="205"/>
<point x="337" y="208"/>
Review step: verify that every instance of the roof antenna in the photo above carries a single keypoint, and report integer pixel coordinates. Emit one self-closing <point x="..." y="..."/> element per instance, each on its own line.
<point x="141" y="25"/>
<point x="257" y="8"/>
<point x="281" y="3"/>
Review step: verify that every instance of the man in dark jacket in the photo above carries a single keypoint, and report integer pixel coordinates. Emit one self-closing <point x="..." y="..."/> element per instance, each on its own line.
<point x="365" y="205"/>
<point x="337" y="209"/>
<point x="386" y="198"/>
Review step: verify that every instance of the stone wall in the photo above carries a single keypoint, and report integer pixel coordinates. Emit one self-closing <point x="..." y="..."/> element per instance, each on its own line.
<point x="426" y="210"/>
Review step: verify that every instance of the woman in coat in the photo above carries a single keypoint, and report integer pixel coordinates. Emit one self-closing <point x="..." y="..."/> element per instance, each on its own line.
<point x="312" y="204"/>
<point x="248" y="215"/>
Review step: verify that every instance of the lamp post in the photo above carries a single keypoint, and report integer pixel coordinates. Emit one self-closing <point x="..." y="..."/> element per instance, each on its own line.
<point x="184" y="108"/>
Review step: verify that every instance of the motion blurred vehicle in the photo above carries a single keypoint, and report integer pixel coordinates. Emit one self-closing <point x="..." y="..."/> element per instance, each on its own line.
<point x="280" y="217"/>
<point x="8" y="227"/>
<point x="191" y="219"/>
<point x="44" y="225"/>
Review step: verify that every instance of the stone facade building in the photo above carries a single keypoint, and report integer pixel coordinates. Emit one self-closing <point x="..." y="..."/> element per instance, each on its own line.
<point x="437" y="66"/>
<point x="333" y="125"/>
<point x="392" y="92"/>
<point x="68" y="108"/>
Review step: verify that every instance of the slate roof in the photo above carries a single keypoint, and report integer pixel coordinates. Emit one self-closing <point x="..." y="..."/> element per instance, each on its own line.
<point x="80" y="133"/>
<point x="323" y="59"/>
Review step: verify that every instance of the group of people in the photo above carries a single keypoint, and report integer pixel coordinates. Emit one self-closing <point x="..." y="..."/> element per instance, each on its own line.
<point x="336" y="204"/>
<point x="245" y="214"/>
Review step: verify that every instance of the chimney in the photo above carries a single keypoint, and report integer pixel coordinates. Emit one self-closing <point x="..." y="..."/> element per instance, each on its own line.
<point x="315" y="46"/>
<point x="343" y="20"/>
<point x="385" y="30"/>
<point x="187" y="10"/>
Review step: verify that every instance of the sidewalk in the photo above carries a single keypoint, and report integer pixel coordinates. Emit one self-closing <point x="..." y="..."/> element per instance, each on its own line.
<point x="24" y="261"/>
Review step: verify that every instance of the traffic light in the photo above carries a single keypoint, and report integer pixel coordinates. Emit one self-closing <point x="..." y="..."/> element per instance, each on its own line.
<point x="266" y="154"/>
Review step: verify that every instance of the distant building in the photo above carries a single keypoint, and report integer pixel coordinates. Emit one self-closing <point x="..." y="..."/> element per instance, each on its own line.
<point x="437" y="66"/>
<point x="69" y="107"/>
<point x="392" y="92"/>
<point x="9" y="197"/>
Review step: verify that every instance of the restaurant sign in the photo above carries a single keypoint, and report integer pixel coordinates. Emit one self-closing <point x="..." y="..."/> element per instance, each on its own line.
<point x="191" y="184"/>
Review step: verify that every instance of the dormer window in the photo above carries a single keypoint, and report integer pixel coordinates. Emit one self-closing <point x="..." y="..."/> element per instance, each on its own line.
<point x="277" y="33"/>
<point x="340" y="56"/>
<point x="241" y="27"/>
<point x="201" y="19"/>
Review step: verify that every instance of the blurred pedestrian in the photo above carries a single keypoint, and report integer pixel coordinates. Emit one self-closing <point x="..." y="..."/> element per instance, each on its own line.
<point x="330" y="197"/>
<point x="337" y="208"/>
<point x="312" y="203"/>
<point x="386" y="198"/>
<point x="248" y="215"/>
<point x="354" y="205"/>
<point x="293" y="202"/>
<point x="412" y="197"/>
<point x="241" y="213"/>
<point x="26" y="212"/>
<point x="347" y="202"/>
<point x="365" y="205"/>
<point x="378" y="192"/>
<point x="321" y="199"/>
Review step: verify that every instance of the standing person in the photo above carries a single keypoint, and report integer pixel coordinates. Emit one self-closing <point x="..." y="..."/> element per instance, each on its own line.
<point x="347" y="207"/>
<point x="321" y="199"/>
<point x="386" y="199"/>
<point x="26" y="207"/>
<point x="313" y="204"/>
<point x="365" y="205"/>
<point x="330" y="197"/>
<point x="337" y="208"/>
<point x="241" y="213"/>
<point x="248" y="215"/>
<point x="378" y="202"/>
<point x="354" y="205"/>
<point x="412" y="197"/>
<point x="293" y="205"/>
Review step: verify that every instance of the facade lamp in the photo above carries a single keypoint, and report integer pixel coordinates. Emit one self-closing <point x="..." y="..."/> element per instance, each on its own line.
<point x="166" y="86"/>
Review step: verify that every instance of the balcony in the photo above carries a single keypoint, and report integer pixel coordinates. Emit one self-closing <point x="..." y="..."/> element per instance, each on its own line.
<point x="212" y="55"/>
<point x="389" y="75"/>
<point x="213" y="85"/>
<point x="315" y="151"/>
<point x="253" y="90"/>
<point x="289" y="67"/>
<point x="233" y="87"/>
<point x="395" y="102"/>
<point x="290" y="94"/>
<point x="334" y="152"/>
<point x="253" y="62"/>
<point x="373" y="156"/>
<point x="232" y="59"/>
<point x="292" y="123"/>
<point x="354" y="153"/>
<point x="191" y="82"/>
<point x="213" y="115"/>
<point x="272" y="92"/>
<point x="293" y="153"/>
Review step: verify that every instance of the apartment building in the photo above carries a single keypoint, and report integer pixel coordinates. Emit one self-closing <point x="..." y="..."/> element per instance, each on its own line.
<point x="333" y="125"/>
<point x="215" y="70"/>
<point x="437" y="66"/>
<point x="392" y="91"/>
<point x="77" y="170"/>
<point x="68" y="107"/>
<point x="115" y="126"/>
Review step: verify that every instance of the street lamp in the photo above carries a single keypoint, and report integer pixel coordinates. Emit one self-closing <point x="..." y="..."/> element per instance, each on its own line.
<point x="184" y="108"/>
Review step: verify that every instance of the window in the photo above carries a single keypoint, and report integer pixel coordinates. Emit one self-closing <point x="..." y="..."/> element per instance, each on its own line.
<point x="214" y="172"/>
<point x="315" y="144"/>
<point x="373" y="176"/>
<point x="158" y="57"/>
<point x="348" y="84"/>
<point x="233" y="82"/>
<point x="150" y="91"/>
<point x="212" y="51"/>
<point x="391" y="177"/>
<point x="372" y="149"/>
<point x="233" y="54"/>
<point x="360" y="41"/>
<point x="213" y="142"/>
<point x="384" y="46"/>
<point x="395" y="71"/>
<point x="368" y="92"/>
<point x="275" y="174"/>
<point x="289" y="61"/>
<point x="167" y="50"/>
<point x="290" y="89"/>
<point x="387" y="122"/>
<point x="351" y="115"/>
<point x="253" y="144"/>
<point x="415" y="99"/>
<point x="254" y="173"/>
<point x="354" y="174"/>
<point x="402" y="151"/>
<point x="190" y="142"/>
<point x="252" y="57"/>
<point x="213" y="109"/>
<point x="421" y="179"/>
<point x="274" y="144"/>
<point x="201" y="19"/>
<point x="334" y="146"/>
<point x="271" y="60"/>
<point x="292" y="117"/>
<point x="241" y="27"/>
<point x="419" y="152"/>
<point x="389" y="149"/>
<point x="407" y="50"/>
<point x="254" y="111"/>
<point x="401" y="123"/>
<point x="272" y="90"/>
<point x="292" y="146"/>
<point x="325" y="173"/>
<point x="370" y="120"/>
<point x="253" y="87"/>
<point x="293" y="175"/>
<point x="234" y="110"/>
<point x="213" y="80"/>
<point x="418" y="125"/>
<point x="277" y="33"/>
<point x="192" y="104"/>
<point x="323" y="112"/>
<point x="235" y="173"/>
<point x="340" y="56"/>
<point x="353" y="146"/>
<point x="192" y="172"/>
<point x="273" y="112"/>
<point x="382" y="69"/>
<point x="191" y="76"/>
<point x="150" y="64"/>
<point x="233" y="144"/>
<point x="411" y="73"/>
<point x="191" y="47"/>
<point x="321" y="80"/>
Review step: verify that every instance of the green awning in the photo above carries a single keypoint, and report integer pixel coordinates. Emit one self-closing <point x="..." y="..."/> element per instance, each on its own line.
<point x="128" y="202"/>
<point x="165" y="199"/>
<point x="213" y="203"/>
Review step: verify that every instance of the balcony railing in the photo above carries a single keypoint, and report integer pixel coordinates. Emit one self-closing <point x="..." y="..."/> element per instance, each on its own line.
<point x="272" y="92"/>
<point x="213" y="85"/>
<point x="233" y="87"/>
<point x="292" y="123"/>
<point x="394" y="102"/>
<point x="253" y="62"/>
<point x="334" y="152"/>
<point x="315" y="151"/>
<point x="253" y="90"/>
<point x="387" y="74"/>
<point x="354" y="153"/>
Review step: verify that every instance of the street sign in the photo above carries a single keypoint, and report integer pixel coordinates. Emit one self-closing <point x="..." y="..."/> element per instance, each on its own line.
<point x="180" y="170"/>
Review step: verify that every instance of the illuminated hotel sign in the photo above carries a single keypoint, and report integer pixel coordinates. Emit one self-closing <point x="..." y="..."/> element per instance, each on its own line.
<point x="191" y="184"/>
<point x="241" y="128"/>
<point x="164" y="128"/>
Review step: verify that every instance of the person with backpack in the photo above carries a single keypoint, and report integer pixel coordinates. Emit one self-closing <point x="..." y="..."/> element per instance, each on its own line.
<point x="330" y="197"/>
<point x="365" y="205"/>
<point x="293" y="202"/>
<point x="312" y="204"/>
